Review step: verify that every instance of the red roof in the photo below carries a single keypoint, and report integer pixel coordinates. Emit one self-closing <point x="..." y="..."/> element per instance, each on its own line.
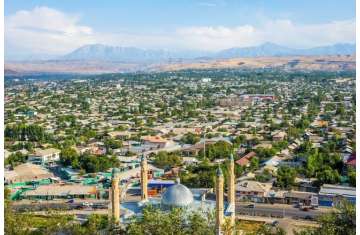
<point x="352" y="160"/>
<point x="245" y="159"/>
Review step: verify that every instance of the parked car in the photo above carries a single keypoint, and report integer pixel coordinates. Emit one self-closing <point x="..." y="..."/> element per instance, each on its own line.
<point x="71" y="201"/>
<point x="275" y="223"/>
<point x="250" y="206"/>
<point x="87" y="204"/>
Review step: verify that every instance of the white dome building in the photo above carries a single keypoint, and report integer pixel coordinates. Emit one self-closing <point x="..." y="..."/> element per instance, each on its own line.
<point x="177" y="195"/>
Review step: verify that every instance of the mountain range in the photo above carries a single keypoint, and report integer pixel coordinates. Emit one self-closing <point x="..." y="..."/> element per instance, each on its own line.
<point x="98" y="58"/>
<point x="134" y="54"/>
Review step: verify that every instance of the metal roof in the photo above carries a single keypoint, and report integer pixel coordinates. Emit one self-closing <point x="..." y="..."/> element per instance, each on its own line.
<point x="328" y="189"/>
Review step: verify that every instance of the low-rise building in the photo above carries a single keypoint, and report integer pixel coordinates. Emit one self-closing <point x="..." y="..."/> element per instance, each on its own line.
<point x="279" y="136"/>
<point x="27" y="172"/>
<point x="61" y="191"/>
<point x="45" y="156"/>
<point x="295" y="197"/>
<point x="245" y="160"/>
<point x="155" y="141"/>
<point x="252" y="190"/>
<point x="331" y="195"/>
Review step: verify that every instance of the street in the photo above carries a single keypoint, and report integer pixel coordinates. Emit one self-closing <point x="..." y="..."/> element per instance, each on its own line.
<point x="277" y="210"/>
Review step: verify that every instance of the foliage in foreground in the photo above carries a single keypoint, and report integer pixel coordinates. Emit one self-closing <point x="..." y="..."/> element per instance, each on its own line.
<point x="342" y="221"/>
<point x="156" y="222"/>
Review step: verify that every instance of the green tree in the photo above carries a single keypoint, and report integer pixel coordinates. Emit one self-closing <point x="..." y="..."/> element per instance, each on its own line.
<point x="165" y="160"/>
<point x="285" y="176"/>
<point x="338" y="222"/>
<point x="15" y="159"/>
<point x="69" y="157"/>
<point x="352" y="177"/>
<point x="157" y="222"/>
<point x="190" y="138"/>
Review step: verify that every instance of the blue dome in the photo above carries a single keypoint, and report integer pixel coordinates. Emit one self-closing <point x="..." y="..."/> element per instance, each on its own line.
<point x="177" y="195"/>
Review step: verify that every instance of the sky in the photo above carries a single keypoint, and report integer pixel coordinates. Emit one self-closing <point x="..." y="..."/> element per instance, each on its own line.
<point x="41" y="28"/>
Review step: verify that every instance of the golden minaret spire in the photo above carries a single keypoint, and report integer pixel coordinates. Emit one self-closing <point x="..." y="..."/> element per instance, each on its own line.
<point x="231" y="189"/>
<point x="115" y="196"/>
<point x="219" y="200"/>
<point x="144" y="179"/>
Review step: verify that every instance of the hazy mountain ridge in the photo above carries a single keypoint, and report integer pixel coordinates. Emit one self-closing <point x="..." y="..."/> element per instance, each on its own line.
<point x="271" y="49"/>
<point x="127" y="54"/>
<point x="134" y="54"/>
<point x="97" y="58"/>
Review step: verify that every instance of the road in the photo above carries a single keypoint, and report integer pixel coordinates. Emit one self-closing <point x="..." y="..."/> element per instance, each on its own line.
<point x="278" y="210"/>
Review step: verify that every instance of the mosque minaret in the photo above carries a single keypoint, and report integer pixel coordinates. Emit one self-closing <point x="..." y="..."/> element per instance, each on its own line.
<point x="144" y="179"/>
<point x="219" y="188"/>
<point x="115" y="196"/>
<point x="231" y="189"/>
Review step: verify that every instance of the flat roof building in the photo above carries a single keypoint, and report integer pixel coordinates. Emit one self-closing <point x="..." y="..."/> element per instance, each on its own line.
<point x="26" y="173"/>
<point x="331" y="195"/>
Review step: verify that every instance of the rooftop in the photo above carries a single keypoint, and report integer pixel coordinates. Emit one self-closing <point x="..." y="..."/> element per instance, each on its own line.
<point x="330" y="189"/>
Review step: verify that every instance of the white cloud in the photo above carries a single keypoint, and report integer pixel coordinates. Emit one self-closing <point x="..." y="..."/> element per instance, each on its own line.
<point x="207" y="4"/>
<point x="283" y="32"/>
<point x="43" y="30"/>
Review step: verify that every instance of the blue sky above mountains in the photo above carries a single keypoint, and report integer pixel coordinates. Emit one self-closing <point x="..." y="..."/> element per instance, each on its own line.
<point x="45" y="27"/>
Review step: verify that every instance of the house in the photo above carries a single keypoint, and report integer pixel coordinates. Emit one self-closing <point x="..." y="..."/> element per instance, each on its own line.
<point x="245" y="160"/>
<point x="45" y="156"/>
<point x="313" y="137"/>
<point x="27" y="172"/>
<point x="252" y="190"/>
<point x="295" y="197"/>
<point x="320" y="123"/>
<point x="351" y="161"/>
<point x="190" y="160"/>
<point x="120" y="134"/>
<point x="275" y="196"/>
<point x="155" y="141"/>
<point x="279" y="136"/>
<point x="331" y="195"/>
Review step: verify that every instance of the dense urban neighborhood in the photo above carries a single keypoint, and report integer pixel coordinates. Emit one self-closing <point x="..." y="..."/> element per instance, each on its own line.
<point x="168" y="138"/>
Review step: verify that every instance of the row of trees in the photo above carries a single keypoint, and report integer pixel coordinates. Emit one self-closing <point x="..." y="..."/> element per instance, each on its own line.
<point x="22" y="132"/>
<point x="217" y="150"/>
<point x="88" y="162"/>
<point x="203" y="174"/>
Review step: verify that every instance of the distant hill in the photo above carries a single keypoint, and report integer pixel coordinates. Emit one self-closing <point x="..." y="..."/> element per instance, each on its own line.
<point x="271" y="49"/>
<point x="127" y="54"/>
<point x="134" y="54"/>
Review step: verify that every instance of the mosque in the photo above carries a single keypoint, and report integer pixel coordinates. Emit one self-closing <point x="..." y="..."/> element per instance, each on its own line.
<point x="177" y="195"/>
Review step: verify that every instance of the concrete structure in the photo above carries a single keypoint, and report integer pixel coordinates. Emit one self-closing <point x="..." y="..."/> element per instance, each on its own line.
<point x="154" y="141"/>
<point x="45" y="156"/>
<point x="219" y="200"/>
<point x="61" y="191"/>
<point x="331" y="195"/>
<point x="294" y="197"/>
<point x="252" y="190"/>
<point x="115" y="196"/>
<point x="279" y="135"/>
<point x="144" y="179"/>
<point x="231" y="189"/>
<point x="26" y="173"/>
